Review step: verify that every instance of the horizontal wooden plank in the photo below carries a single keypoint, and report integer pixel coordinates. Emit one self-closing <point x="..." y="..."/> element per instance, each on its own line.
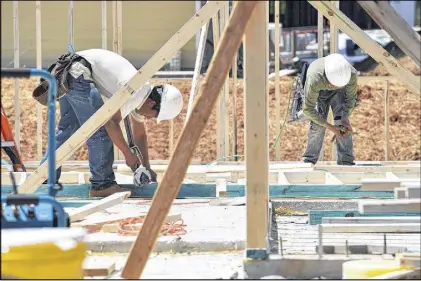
<point x="372" y="228"/>
<point x="315" y="216"/>
<point x="388" y="206"/>
<point x="373" y="220"/>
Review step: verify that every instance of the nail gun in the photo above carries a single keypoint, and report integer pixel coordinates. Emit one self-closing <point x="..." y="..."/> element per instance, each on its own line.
<point x="141" y="174"/>
<point x="298" y="89"/>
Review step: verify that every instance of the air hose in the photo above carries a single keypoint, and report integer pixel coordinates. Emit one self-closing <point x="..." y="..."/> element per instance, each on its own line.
<point x="278" y="137"/>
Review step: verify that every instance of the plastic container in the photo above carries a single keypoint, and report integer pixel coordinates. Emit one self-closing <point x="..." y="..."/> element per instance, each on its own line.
<point x="44" y="253"/>
<point x="364" y="269"/>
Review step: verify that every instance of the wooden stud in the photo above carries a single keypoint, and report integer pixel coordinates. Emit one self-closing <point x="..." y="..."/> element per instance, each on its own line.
<point x="225" y="91"/>
<point x="372" y="228"/>
<point x="96" y="206"/>
<point x="197" y="68"/>
<point x="386" y="122"/>
<point x="39" y="66"/>
<point x="369" y="45"/>
<point x="104" y="24"/>
<point x="333" y="49"/>
<point x="16" y="64"/>
<point x="371" y="220"/>
<point x="277" y="90"/>
<point x="207" y="97"/>
<point x="256" y="126"/>
<point x="391" y="205"/>
<point x="234" y="149"/>
<point x="407" y="39"/>
<point x="320" y="50"/>
<point x="119" y="98"/>
<point x="70" y="24"/>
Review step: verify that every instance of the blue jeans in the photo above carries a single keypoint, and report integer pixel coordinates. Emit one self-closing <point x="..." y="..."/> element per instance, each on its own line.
<point x="76" y="107"/>
<point x="344" y="146"/>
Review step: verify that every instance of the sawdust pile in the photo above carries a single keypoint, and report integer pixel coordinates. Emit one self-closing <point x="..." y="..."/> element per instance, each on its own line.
<point x="367" y="121"/>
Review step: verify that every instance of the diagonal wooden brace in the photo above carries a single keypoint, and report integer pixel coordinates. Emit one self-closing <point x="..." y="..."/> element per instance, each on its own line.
<point x="177" y="41"/>
<point x="386" y="17"/>
<point x="369" y="45"/>
<point x="180" y="160"/>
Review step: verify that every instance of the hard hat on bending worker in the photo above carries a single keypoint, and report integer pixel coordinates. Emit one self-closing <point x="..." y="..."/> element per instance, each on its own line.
<point x="164" y="102"/>
<point x="338" y="70"/>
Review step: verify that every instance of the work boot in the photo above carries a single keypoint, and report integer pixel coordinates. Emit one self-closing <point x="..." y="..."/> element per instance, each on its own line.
<point x="114" y="188"/>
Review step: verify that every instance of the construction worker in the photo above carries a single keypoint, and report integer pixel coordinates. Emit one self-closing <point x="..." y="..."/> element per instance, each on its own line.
<point x="88" y="78"/>
<point x="330" y="81"/>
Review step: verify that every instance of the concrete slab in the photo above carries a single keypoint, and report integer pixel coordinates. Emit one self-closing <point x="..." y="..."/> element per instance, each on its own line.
<point x="184" y="266"/>
<point x="209" y="228"/>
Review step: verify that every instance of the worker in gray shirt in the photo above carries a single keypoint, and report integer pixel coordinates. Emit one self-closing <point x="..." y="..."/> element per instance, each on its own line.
<point x="331" y="81"/>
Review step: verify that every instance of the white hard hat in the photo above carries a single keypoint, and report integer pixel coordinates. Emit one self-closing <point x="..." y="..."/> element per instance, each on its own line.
<point x="337" y="69"/>
<point x="171" y="103"/>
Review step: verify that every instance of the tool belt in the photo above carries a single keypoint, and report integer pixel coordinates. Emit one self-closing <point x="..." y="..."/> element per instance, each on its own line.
<point x="60" y="70"/>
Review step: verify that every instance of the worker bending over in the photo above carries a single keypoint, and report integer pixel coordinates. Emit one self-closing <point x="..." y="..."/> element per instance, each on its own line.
<point x="331" y="81"/>
<point x="87" y="79"/>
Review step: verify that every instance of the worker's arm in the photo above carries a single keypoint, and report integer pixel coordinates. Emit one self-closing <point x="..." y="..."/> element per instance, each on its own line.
<point x="311" y="91"/>
<point x="351" y="94"/>
<point x="311" y="95"/>
<point x="140" y="139"/>
<point x="116" y="135"/>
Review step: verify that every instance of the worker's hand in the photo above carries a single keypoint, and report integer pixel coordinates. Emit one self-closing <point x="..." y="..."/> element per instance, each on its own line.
<point x="347" y="125"/>
<point x="153" y="175"/>
<point x="132" y="161"/>
<point x="334" y="129"/>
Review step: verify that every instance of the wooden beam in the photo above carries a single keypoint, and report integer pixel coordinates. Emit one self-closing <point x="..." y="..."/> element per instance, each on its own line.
<point x="407" y="39"/>
<point x="207" y="97"/>
<point x="320" y="51"/>
<point x="333" y="30"/>
<point x="177" y="41"/>
<point x="70" y="25"/>
<point x="96" y="206"/>
<point x="16" y="63"/>
<point x="372" y="228"/>
<point x="369" y="45"/>
<point x="373" y="220"/>
<point x="256" y="126"/>
<point x="388" y="206"/>
<point x="386" y="122"/>
<point x="104" y="24"/>
<point x="225" y="91"/>
<point x="277" y="90"/>
<point x="39" y="66"/>
<point x="197" y="68"/>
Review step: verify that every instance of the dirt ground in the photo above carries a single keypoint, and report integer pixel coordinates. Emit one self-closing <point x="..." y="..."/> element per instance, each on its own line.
<point x="367" y="121"/>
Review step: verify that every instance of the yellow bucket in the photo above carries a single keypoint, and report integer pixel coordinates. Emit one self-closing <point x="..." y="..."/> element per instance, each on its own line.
<point x="364" y="269"/>
<point x="44" y="253"/>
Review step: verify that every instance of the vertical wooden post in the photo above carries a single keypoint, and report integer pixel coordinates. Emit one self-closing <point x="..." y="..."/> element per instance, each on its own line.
<point x="320" y="51"/>
<point x="234" y="99"/>
<point x="70" y="24"/>
<point x="226" y="91"/>
<point x="197" y="67"/>
<point x="256" y="126"/>
<point x="70" y="36"/>
<point x="117" y="15"/>
<point x="104" y="24"/>
<point x="386" y="122"/>
<point x="277" y="90"/>
<point x="39" y="65"/>
<point x="333" y="49"/>
<point x="177" y="168"/>
<point x="16" y="64"/>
